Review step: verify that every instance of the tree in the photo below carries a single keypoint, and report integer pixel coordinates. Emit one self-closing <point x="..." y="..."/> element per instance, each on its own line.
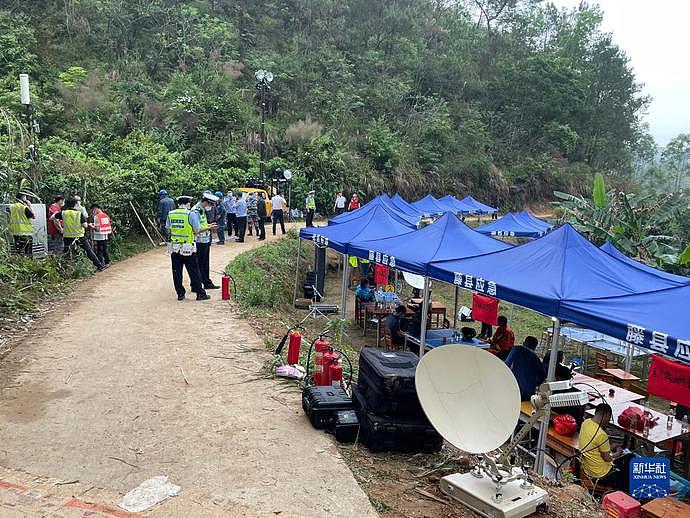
<point x="675" y="157"/>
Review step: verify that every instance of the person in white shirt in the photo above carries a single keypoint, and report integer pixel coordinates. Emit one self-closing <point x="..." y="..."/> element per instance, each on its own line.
<point x="279" y="205"/>
<point x="339" y="205"/>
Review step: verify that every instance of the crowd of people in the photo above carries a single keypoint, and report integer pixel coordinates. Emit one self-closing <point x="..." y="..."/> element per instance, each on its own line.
<point x="69" y="225"/>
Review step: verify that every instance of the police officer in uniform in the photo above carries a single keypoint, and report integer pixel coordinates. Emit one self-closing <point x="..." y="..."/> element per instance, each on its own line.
<point x="182" y="248"/>
<point x="198" y="217"/>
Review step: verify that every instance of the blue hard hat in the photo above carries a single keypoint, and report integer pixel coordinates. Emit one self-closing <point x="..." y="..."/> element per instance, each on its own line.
<point x="219" y="194"/>
<point x="162" y="192"/>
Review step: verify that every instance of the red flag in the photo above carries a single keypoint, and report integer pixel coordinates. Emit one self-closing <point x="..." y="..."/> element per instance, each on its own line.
<point x="484" y="309"/>
<point x="669" y="380"/>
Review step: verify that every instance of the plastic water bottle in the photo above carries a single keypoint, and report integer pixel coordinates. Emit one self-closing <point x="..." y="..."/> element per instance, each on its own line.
<point x="670" y="417"/>
<point x="684" y="425"/>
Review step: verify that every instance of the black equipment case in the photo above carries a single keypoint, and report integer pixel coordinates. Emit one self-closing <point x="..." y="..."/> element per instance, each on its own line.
<point x="321" y="403"/>
<point x="386" y="382"/>
<point x="346" y="425"/>
<point x="396" y="434"/>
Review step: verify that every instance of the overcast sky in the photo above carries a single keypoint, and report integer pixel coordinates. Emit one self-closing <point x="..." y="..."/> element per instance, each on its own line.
<point x="655" y="34"/>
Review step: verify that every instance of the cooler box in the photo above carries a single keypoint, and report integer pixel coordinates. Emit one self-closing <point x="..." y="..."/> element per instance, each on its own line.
<point x="621" y="505"/>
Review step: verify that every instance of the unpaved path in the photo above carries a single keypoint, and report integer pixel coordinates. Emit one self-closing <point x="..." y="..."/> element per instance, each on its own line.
<point x="100" y="379"/>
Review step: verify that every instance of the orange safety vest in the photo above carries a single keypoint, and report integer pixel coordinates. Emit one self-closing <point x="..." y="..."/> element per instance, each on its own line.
<point x="104" y="226"/>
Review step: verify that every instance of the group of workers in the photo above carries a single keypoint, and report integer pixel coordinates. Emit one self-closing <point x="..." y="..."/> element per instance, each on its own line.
<point x="338" y="206"/>
<point x="68" y="222"/>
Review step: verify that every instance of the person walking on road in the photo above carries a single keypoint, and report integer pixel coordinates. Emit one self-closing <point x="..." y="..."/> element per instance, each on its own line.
<point x="75" y="224"/>
<point x="165" y="205"/>
<point x="279" y="205"/>
<point x="339" y="205"/>
<point x="202" y="236"/>
<point x="310" y="205"/>
<point x="261" y="216"/>
<point x="21" y="229"/>
<point x="183" y="249"/>
<point x="241" y="215"/>
<point x="54" y="227"/>
<point x="102" y="228"/>
<point x="221" y="219"/>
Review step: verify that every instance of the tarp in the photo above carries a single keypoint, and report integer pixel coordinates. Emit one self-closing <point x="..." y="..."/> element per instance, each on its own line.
<point x="429" y="206"/>
<point x="380" y="201"/>
<point x="564" y="275"/>
<point x="376" y="223"/>
<point x="446" y="238"/>
<point x="614" y="252"/>
<point x="399" y="203"/>
<point x="511" y="225"/>
<point x="469" y="205"/>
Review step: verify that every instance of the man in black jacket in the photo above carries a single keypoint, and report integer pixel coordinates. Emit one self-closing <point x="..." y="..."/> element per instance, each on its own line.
<point x="261" y="215"/>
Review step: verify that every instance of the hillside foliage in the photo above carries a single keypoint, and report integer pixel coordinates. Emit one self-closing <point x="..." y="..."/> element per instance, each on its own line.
<point x="504" y="99"/>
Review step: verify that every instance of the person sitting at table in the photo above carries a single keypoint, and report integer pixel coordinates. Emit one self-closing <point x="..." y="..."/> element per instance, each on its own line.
<point x="527" y="367"/>
<point x="600" y="461"/>
<point x="393" y="325"/>
<point x="563" y="372"/>
<point x="363" y="292"/>
<point x="503" y="339"/>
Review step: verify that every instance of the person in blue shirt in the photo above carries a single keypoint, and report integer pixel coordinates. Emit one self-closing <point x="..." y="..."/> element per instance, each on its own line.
<point x="198" y="218"/>
<point x="527" y="367"/>
<point x="165" y="205"/>
<point x="229" y="204"/>
<point x="363" y="292"/>
<point x="221" y="219"/>
<point x="241" y="215"/>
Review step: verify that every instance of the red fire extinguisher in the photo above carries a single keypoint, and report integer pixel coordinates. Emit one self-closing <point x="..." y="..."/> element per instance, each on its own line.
<point x="225" y="287"/>
<point x="336" y="373"/>
<point x="321" y="373"/>
<point x="293" y="347"/>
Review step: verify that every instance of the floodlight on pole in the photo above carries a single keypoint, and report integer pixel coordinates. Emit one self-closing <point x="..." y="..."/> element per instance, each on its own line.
<point x="263" y="78"/>
<point x="269" y="77"/>
<point x="260" y="74"/>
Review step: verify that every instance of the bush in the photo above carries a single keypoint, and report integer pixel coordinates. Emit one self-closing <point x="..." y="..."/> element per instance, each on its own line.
<point x="265" y="276"/>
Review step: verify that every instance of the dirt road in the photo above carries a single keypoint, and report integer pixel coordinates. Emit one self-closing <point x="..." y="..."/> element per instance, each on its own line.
<point x="97" y="394"/>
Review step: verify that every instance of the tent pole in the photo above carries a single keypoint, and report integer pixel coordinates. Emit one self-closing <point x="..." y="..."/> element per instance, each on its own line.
<point x="425" y="317"/>
<point x="510" y="315"/>
<point x="544" y="425"/>
<point x="455" y="312"/>
<point x="294" y="291"/>
<point x="343" y="295"/>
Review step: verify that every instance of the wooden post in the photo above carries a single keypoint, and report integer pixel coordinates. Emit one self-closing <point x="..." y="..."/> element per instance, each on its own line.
<point x="141" y="222"/>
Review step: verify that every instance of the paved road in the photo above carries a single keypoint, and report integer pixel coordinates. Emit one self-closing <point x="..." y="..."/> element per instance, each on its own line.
<point x="101" y="378"/>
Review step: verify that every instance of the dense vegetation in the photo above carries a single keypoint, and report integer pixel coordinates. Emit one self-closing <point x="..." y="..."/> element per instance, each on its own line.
<point x="503" y="99"/>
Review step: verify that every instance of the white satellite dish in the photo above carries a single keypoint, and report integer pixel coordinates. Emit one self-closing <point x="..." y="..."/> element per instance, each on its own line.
<point x="416" y="281"/>
<point x="469" y="395"/>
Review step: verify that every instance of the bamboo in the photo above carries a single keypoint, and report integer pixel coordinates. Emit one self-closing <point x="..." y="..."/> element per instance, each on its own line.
<point x="141" y="222"/>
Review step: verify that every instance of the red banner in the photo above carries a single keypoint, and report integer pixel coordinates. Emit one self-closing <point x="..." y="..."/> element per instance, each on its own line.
<point x="484" y="309"/>
<point x="669" y="380"/>
<point x="381" y="274"/>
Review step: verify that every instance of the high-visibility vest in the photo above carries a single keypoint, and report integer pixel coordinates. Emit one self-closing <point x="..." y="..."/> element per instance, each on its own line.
<point x="203" y="222"/>
<point x="311" y="202"/>
<point x="104" y="226"/>
<point x="181" y="230"/>
<point x="72" y="220"/>
<point x="20" y="224"/>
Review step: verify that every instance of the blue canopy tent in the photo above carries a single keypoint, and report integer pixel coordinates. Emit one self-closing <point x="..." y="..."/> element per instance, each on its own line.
<point x="469" y="205"/>
<point x="511" y="225"/>
<point x="614" y="252"/>
<point x="379" y="222"/>
<point x="446" y="238"/>
<point x="380" y="201"/>
<point x="429" y="206"/>
<point x="529" y="218"/>
<point x="402" y="205"/>
<point x="565" y="276"/>
<point x="451" y="202"/>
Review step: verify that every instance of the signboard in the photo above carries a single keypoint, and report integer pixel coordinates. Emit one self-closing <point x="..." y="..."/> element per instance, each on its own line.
<point x="669" y="380"/>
